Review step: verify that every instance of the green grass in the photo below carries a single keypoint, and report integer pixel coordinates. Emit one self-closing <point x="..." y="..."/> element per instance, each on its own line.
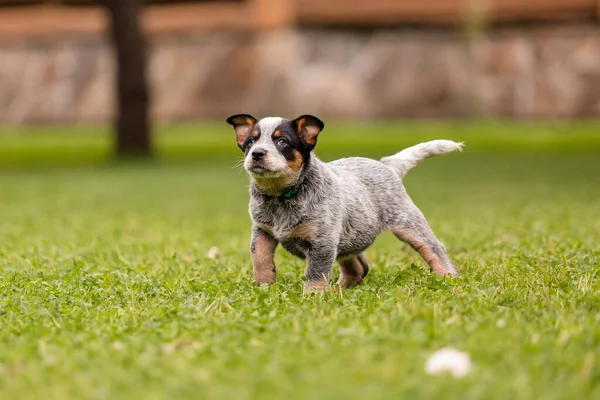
<point x="106" y="290"/>
<point x="59" y="146"/>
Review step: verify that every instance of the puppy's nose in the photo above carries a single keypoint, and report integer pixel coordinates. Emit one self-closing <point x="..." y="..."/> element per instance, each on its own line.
<point x="258" y="154"/>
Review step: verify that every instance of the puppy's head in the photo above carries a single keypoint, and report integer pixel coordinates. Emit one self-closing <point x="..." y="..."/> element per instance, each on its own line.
<point x="276" y="149"/>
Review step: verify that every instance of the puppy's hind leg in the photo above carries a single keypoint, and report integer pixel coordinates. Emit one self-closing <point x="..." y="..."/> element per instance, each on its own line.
<point x="415" y="231"/>
<point x="363" y="261"/>
<point x="353" y="270"/>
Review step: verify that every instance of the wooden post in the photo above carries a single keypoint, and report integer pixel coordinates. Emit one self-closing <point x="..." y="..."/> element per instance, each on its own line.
<point x="132" y="121"/>
<point x="272" y="14"/>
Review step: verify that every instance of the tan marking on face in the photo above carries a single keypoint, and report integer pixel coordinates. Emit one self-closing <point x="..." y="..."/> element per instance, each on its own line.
<point x="423" y="249"/>
<point x="309" y="135"/>
<point x="297" y="162"/>
<point x="255" y="134"/>
<point x="300" y="125"/>
<point x="274" y="186"/>
<point x="305" y="231"/>
<point x="277" y="134"/>
<point x="263" y="264"/>
<point x="242" y="129"/>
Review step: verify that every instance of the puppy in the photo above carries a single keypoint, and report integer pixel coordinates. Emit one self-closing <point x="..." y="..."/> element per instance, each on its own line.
<point x="327" y="212"/>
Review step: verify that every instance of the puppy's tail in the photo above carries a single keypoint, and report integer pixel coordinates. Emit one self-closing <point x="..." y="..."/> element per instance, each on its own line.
<point x="408" y="158"/>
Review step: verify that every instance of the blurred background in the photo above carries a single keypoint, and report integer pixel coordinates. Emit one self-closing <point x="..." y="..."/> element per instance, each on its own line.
<point x="359" y="59"/>
<point x="84" y="80"/>
<point x="182" y="60"/>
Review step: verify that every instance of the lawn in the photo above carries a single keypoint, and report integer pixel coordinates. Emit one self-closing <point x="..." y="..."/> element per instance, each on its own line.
<point x="107" y="291"/>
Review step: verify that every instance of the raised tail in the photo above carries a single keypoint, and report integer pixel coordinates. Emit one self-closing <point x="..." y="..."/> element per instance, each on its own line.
<point x="403" y="161"/>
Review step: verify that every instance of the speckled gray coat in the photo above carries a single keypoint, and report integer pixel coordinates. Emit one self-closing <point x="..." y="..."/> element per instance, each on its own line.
<point x="323" y="212"/>
<point x="347" y="203"/>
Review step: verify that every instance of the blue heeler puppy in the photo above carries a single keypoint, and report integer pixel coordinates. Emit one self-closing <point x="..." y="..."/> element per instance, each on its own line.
<point x="327" y="212"/>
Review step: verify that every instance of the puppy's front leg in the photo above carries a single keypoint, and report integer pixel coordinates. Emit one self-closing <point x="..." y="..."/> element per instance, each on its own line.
<point x="262" y="253"/>
<point x="319" y="263"/>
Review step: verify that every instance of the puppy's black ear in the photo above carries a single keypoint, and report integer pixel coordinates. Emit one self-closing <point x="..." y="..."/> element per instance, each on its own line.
<point x="308" y="128"/>
<point x="242" y="124"/>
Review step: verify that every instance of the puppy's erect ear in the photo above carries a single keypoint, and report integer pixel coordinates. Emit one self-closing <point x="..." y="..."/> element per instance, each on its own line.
<point x="308" y="128"/>
<point x="242" y="124"/>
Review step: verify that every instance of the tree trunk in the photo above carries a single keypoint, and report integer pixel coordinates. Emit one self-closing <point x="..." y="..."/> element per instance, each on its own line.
<point x="132" y="114"/>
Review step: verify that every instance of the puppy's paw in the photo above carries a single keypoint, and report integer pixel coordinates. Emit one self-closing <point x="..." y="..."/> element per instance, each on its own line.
<point x="451" y="271"/>
<point x="314" y="287"/>
<point x="347" y="280"/>
<point x="265" y="277"/>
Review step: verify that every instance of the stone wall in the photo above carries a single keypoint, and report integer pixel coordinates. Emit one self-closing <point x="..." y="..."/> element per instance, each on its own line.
<point x="533" y="72"/>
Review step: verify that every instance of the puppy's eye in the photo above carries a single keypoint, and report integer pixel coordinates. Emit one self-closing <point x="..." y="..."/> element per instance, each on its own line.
<point x="250" y="141"/>
<point x="282" y="142"/>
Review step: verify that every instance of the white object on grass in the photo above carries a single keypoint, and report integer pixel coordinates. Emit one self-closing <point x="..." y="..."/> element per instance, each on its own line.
<point x="212" y="253"/>
<point x="457" y="363"/>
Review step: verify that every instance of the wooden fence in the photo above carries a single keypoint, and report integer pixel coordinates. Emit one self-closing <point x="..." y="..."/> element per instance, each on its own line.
<point x="22" y="18"/>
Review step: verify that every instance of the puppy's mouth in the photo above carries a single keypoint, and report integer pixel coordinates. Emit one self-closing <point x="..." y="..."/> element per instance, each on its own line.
<point x="258" y="169"/>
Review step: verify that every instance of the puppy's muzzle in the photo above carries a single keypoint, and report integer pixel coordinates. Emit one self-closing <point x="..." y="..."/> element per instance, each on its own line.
<point x="258" y="154"/>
